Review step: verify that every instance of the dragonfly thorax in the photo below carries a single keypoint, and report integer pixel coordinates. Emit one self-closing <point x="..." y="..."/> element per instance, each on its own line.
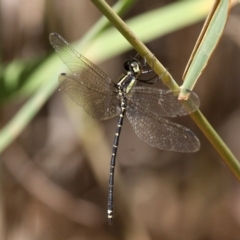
<point x="126" y="83"/>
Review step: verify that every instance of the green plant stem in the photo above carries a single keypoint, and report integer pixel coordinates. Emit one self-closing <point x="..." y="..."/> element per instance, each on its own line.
<point x="198" y="117"/>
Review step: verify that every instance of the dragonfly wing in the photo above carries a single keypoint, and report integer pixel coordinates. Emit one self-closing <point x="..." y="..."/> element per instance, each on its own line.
<point x="77" y="64"/>
<point x="161" y="133"/>
<point x="159" y="102"/>
<point x="97" y="104"/>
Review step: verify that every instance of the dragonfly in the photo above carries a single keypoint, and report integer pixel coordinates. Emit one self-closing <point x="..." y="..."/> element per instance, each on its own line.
<point x="146" y="107"/>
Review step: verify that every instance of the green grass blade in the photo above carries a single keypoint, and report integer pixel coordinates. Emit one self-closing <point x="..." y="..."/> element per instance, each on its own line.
<point x="205" y="46"/>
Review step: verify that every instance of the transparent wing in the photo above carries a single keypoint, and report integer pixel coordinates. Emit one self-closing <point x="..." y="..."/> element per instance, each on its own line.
<point x="161" y="133"/>
<point x="96" y="103"/>
<point x="159" y="102"/>
<point x="77" y="63"/>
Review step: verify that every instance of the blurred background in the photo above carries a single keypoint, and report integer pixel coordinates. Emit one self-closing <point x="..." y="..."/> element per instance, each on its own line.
<point x="54" y="177"/>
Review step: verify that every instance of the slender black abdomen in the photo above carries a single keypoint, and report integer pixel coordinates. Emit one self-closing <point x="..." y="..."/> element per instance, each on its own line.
<point x="113" y="163"/>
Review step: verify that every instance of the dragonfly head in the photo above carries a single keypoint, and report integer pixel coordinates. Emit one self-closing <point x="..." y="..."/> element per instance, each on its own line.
<point x="133" y="66"/>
